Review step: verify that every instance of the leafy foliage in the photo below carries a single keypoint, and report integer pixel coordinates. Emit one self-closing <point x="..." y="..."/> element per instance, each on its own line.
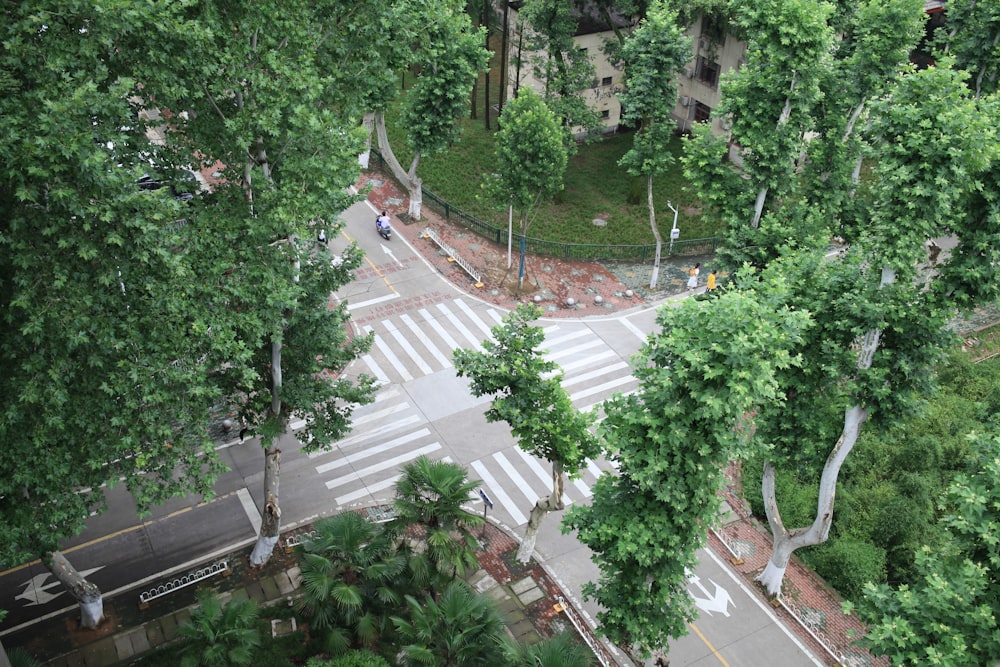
<point x="459" y="628"/>
<point x="353" y="578"/>
<point x="429" y="495"/>
<point x="702" y="378"/>
<point x="948" y="616"/>
<point x="220" y="636"/>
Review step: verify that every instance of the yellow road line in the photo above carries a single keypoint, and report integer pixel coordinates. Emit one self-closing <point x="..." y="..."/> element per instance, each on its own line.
<point x="372" y="264"/>
<point x="117" y="533"/>
<point x="708" y="644"/>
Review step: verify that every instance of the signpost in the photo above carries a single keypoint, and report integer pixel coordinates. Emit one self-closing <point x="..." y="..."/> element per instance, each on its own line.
<point x="487" y="505"/>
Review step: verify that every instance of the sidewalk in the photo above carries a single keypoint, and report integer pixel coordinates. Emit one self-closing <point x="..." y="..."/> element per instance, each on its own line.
<point x="530" y="600"/>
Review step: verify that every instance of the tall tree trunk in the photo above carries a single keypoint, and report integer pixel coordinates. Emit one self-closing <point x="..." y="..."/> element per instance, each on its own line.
<point x="408" y="179"/>
<point x="786" y="113"/>
<point x="787" y="541"/>
<point x="542" y="507"/>
<point x="503" y="57"/>
<point x="85" y="592"/>
<point x="486" y="92"/>
<point x="656" y="232"/>
<point x="368" y="122"/>
<point x="270" y="527"/>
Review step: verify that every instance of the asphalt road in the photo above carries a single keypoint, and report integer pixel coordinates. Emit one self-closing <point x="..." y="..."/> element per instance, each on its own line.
<point x="422" y="408"/>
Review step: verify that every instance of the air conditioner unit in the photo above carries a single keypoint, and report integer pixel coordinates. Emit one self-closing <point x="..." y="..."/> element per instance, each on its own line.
<point x="704" y="44"/>
<point x="685" y="101"/>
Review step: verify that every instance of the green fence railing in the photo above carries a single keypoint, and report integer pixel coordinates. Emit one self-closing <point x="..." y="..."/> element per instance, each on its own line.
<point x="568" y="251"/>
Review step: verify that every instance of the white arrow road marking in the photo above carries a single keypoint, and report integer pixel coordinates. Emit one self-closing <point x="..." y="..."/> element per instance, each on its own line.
<point x="35" y="588"/>
<point x="711" y="603"/>
<point x="386" y="250"/>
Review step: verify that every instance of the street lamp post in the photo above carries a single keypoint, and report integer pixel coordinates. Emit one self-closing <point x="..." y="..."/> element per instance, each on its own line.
<point x="674" y="232"/>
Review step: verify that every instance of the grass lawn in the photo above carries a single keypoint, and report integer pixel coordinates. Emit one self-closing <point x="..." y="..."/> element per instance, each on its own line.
<point x="595" y="187"/>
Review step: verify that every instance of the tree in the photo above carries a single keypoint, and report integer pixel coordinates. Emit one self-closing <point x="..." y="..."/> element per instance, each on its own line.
<point x="105" y="373"/>
<point x="973" y="38"/>
<point x="459" y="628"/>
<point x="949" y="616"/>
<point x="561" y="650"/>
<point x="702" y="379"/>
<point x="876" y="360"/>
<point x="531" y="160"/>
<point x="529" y="396"/>
<point x="451" y="56"/>
<point x="353" y="579"/>
<point x="260" y="110"/>
<point x="220" y="636"/>
<point x="429" y="495"/>
<point x="564" y="69"/>
<point x="655" y="54"/>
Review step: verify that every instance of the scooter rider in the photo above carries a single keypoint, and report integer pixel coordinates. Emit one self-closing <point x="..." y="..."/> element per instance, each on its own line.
<point x="382" y="225"/>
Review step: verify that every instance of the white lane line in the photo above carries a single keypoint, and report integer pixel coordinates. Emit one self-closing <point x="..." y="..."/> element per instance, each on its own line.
<point x="565" y="338"/>
<point x="634" y="329"/>
<point x="439" y="330"/>
<point x="369" y="489"/>
<point x="603" y="370"/>
<point x="617" y="382"/>
<point x="594" y="470"/>
<point x="370" y="302"/>
<point x="576" y="349"/>
<point x="497" y="317"/>
<point x="372" y="451"/>
<point x="375" y="369"/>
<point x="393" y="360"/>
<point x="382" y="465"/>
<point x="250" y="508"/>
<point x="589" y="361"/>
<point x="545" y="476"/>
<point x="464" y="307"/>
<point x="497" y="492"/>
<point x="425" y="340"/>
<point x="371" y="434"/>
<point x="413" y="354"/>
<point x="462" y="329"/>
<point x="521" y="483"/>
<point x="599" y="404"/>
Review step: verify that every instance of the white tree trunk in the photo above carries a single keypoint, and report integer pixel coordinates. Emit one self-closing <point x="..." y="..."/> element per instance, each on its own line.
<point x="787" y="541"/>
<point x="83" y="591"/>
<point x="656" y="232"/>
<point x="368" y="122"/>
<point x="786" y="113"/>
<point x="409" y="179"/>
<point x="270" y="527"/>
<point x="542" y="507"/>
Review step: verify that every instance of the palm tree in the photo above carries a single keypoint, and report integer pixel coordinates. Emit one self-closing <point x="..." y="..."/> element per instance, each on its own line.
<point x="352" y="580"/>
<point x="429" y="494"/>
<point x="459" y="628"/>
<point x="562" y="650"/>
<point x="220" y="636"/>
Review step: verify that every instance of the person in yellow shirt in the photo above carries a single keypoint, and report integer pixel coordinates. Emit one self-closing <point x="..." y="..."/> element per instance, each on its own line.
<point x="710" y="282"/>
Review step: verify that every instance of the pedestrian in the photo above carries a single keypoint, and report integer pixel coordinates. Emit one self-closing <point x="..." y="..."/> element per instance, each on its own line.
<point x="710" y="282"/>
<point x="660" y="659"/>
<point x="693" y="275"/>
<point x="322" y="237"/>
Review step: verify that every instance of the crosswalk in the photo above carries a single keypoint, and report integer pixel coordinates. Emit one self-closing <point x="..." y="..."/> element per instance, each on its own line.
<point x="364" y="467"/>
<point x="393" y="430"/>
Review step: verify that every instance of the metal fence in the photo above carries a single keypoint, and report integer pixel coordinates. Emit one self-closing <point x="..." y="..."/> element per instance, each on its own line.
<point x="567" y="251"/>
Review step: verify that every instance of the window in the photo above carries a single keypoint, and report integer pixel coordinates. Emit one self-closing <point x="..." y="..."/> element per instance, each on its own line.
<point x="707" y="71"/>
<point x="606" y="113"/>
<point x="606" y="81"/>
<point x="702" y="112"/>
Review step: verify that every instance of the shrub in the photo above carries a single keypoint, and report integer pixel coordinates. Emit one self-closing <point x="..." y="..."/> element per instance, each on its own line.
<point x="847" y="565"/>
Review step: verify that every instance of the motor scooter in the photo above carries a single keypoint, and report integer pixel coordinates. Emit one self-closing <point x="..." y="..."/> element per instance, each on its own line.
<point x="383" y="227"/>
